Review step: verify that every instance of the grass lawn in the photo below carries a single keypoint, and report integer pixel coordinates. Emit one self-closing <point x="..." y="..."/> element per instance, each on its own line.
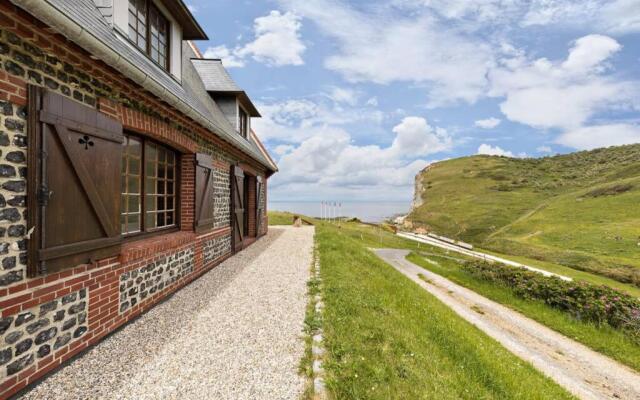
<point x="280" y="218"/>
<point x="387" y="338"/>
<point x="605" y="339"/>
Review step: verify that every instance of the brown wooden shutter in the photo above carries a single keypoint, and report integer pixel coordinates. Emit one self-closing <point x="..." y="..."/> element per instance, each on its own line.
<point x="75" y="157"/>
<point x="237" y="205"/>
<point x="204" y="192"/>
<point x="259" y="206"/>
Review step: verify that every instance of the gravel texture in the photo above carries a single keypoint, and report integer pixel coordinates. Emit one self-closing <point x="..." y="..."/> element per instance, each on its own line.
<point x="235" y="333"/>
<point x="582" y="371"/>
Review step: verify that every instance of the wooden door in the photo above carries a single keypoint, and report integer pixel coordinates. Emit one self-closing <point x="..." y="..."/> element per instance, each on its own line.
<point x="259" y="206"/>
<point x="204" y="193"/>
<point x="237" y="207"/>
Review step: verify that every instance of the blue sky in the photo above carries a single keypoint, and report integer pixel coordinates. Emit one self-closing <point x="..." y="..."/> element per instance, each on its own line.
<point x="358" y="96"/>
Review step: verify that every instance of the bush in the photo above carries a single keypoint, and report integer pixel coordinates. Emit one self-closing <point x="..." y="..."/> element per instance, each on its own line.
<point x="610" y="191"/>
<point x="587" y="302"/>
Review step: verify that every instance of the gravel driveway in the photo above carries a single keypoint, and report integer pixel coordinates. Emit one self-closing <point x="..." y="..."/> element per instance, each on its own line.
<point x="235" y="333"/>
<point x="582" y="371"/>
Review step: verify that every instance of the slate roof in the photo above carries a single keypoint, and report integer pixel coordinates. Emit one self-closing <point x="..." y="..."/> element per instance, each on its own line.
<point x="214" y="76"/>
<point x="86" y="14"/>
<point x="216" y="79"/>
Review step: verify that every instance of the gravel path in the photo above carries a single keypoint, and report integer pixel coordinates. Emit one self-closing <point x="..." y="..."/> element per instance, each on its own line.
<point x="582" y="371"/>
<point x="235" y="333"/>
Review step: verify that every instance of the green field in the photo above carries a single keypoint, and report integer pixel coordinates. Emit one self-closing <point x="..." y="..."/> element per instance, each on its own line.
<point x="387" y="338"/>
<point x="280" y="218"/>
<point x="578" y="210"/>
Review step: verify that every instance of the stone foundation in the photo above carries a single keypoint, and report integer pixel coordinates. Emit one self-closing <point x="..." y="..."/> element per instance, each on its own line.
<point x="138" y="284"/>
<point x="39" y="331"/>
<point x="216" y="248"/>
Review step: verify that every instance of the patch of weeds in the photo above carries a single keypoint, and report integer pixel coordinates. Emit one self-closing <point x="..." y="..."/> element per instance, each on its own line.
<point x="477" y="309"/>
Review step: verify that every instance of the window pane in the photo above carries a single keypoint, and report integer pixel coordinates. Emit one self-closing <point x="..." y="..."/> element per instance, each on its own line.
<point x="133" y="185"/>
<point x="150" y="221"/>
<point x="134" y="166"/>
<point x="137" y="18"/>
<point x="134" y="223"/>
<point x="161" y="170"/>
<point x="150" y="203"/>
<point x="150" y="186"/>
<point x="133" y="204"/>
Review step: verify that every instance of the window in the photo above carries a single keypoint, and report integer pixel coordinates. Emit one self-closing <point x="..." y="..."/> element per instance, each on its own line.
<point x="152" y="188"/>
<point x="131" y="185"/>
<point x="244" y="123"/>
<point x="149" y="30"/>
<point x="138" y="22"/>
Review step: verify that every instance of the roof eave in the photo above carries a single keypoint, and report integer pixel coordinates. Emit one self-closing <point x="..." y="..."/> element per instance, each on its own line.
<point x="191" y="29"/>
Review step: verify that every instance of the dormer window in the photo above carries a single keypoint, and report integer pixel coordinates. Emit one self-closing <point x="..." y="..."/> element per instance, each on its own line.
<point x="244" y="123"/>
<point x="149" y="30"/>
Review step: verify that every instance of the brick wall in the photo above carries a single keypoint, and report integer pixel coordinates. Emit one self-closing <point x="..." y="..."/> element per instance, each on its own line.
<point x="251" y="205"/>
<point x="49" y="319"/>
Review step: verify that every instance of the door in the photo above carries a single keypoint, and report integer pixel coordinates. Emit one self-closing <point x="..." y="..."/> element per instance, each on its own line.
<point x="259" y="206"/>
<point x="237" y="207"/>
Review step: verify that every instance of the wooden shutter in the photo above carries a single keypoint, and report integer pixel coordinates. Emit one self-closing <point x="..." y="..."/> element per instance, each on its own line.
<point x="75" y="157"/>
<point x="204" y="192"/>
<point x="259" y="206"/>
<point x="237" y="205"/>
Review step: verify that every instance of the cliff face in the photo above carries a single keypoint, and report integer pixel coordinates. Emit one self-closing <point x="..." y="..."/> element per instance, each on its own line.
<point x="418" y="189"/>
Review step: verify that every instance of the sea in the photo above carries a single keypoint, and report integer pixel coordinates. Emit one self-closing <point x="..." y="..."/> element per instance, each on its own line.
<point x="373" y="211"/>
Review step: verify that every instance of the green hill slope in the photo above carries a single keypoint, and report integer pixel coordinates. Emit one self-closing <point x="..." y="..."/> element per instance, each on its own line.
<point x="581" y="210"/>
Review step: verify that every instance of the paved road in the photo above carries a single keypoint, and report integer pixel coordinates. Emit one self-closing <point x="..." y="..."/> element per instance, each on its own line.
<point x="235" y="333"/>
<point x="582" y="371"/>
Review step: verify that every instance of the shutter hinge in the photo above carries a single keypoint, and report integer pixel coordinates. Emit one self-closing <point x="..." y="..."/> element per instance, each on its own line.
<point x="44" y="194"/>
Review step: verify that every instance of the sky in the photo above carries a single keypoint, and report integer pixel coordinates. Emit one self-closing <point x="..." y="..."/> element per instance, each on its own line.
<point x="358" y="96"/>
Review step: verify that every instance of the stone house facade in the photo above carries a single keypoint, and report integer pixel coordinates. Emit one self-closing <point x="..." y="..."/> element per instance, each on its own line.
<point x="121" y="177"/>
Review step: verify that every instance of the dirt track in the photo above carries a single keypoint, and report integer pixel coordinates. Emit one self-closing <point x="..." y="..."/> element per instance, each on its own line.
<point x="582" y="371"/>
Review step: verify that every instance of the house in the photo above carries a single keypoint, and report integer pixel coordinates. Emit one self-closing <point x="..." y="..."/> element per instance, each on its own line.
<point x="128" y="168"/>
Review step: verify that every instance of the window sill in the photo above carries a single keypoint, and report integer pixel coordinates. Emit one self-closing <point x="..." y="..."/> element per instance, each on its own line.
<point x="148" y="246"/>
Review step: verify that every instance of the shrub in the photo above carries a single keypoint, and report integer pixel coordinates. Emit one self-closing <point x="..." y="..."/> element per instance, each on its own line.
<point x="587" y="302"/>
<point x="610" y="191"/>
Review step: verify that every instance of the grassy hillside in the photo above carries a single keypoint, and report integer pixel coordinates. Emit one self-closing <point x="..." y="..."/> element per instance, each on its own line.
<point x="580" y="210"/>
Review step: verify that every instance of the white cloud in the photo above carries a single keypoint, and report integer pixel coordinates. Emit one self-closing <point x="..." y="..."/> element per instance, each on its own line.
<point x="489" y="150"/>
<point x="192" y="8"/>
<point x="416" y="138"/>
<point x="383" y="48"/>
<point x="544" y="149"/>
<point x="591" y="137"/>
<point x="373" y="102"/>
<point x="278" y="40"/>
<point x="562" y="94"/>
<point x="589" y="52"/>
<point x="228" y="57"/>
<point x="283" y="149"/>
<point x="330" y="162"/>
<point x="343" y="95"/>
<point x="319" y="155"/>
<point x="295" y="120"/>
<point x="277" y="43"/>
<point x="488" y="123"/>
<point x="606" y="16"/>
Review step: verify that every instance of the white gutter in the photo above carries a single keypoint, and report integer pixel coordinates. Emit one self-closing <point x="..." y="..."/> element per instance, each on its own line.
<point x="58" y="20"/>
